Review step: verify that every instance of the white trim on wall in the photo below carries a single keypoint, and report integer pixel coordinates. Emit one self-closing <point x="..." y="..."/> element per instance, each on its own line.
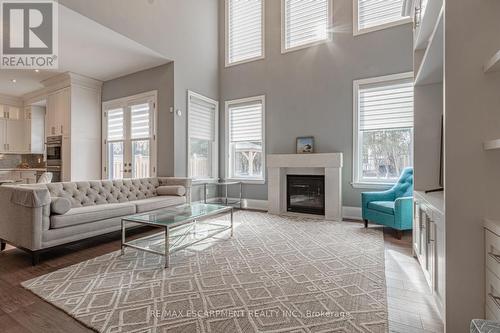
<point x="355" y="150"/>
<point x="355" y="23"/>
<point x="215" y="144"/>
<point x="284" y="49"/>
<point x="227" y="159"/>
<point x="226" y="37"/>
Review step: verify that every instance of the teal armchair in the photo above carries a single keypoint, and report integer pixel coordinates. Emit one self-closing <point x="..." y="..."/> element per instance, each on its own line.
<point x="392" y="208"/>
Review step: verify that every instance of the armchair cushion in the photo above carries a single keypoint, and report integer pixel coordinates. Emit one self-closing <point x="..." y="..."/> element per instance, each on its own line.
<point x="382" y="206"/>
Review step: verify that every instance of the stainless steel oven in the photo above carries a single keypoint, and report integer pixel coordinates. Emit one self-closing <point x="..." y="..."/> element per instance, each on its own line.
<point x="54" y="150"/>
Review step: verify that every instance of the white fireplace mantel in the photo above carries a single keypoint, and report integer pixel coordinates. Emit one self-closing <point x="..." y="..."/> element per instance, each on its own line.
<point x="329" y="165"/>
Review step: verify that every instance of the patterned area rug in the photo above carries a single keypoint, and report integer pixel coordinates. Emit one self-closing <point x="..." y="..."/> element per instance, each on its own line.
<point x="277" y="274"/>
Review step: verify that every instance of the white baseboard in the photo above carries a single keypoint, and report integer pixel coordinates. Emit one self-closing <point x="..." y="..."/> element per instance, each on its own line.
<point x="348" y="212"/>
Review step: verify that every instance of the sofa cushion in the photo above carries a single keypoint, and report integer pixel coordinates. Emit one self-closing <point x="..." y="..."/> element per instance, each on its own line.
<point x="81" y="215"/>
<point x="382" y="206"/>
<point x="178" y="190"/>
<point x="146" y="205"/>
<point x="60" y="206"/>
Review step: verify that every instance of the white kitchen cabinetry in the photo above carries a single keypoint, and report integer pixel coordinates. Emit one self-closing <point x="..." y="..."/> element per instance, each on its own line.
<point x="428" y="241"/>
<point x="35" y="129"/>
<point x="12" y="130"/>
<point x="58" y="112"/>
<point x="15" y="136"/>
<point x="73" y="111"/>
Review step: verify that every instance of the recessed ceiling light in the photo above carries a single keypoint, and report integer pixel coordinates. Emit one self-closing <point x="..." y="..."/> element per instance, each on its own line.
<point x="37" y="70"/>
<point x="13" y="80"/>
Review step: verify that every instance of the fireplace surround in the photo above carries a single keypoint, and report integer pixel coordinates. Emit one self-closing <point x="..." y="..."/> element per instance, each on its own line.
<point x="328" y="165"/>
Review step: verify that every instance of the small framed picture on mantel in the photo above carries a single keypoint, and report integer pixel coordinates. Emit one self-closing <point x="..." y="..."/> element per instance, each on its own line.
<point x="305" y="145"/>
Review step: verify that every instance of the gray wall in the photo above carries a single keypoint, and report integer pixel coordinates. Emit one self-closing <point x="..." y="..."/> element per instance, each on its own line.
<point x="309" y="92"/>
<point x="185" y="31"/>
<point x="161" y="79"/>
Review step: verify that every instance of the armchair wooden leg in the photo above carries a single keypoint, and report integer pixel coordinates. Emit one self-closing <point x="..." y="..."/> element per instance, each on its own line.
<point x="399" y="234"/>
<point x="35" y="258"/>
<point x="2" y="245"/>
<point x="366" y="223"/>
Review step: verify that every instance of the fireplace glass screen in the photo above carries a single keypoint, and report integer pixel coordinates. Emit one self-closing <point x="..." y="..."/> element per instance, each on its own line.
<point x="306" y="194"/>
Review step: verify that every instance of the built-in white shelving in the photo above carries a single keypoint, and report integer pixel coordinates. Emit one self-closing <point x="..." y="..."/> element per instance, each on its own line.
<point x="491" y="144"/>
<point x="493" y="64"/>
<point x="425" y="28"/>
<point x="431" y="68"/>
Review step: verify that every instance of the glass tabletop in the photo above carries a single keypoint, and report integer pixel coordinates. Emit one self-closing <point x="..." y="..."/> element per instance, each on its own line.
<point x="177" y="214"/>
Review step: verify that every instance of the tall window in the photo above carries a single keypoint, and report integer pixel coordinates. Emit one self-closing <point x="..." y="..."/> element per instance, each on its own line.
<point x="244" y="31"/>
<point x="202" y="136"/>
<point x="129" y="132"/>
<point x="304" y="23"/>
<point x="245" y="139"/>
<point x="372" y="15"/>
<point x="383" y="127"/>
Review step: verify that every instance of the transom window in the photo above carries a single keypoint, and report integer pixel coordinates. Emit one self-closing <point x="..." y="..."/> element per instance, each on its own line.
<point x="304" y="23"/>
<point x="383" y="128"/>
<point x="203" y="135"/>
<point x="372" y="15"/>
<point x="244" y="31"/>
<point x="245" y="139"/>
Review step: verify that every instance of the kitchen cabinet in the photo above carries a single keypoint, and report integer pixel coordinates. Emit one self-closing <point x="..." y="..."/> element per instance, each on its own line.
<point x="15" y="136"/>
<point x="58" y="112"/>
<point x="35" y="129"/>
<point x="12" y="130"/>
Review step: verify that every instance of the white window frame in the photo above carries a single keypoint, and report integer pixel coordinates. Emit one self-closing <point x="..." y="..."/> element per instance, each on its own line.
<point x="356" y="182"/>
<point x="215" y="144"/>
<point x="284" y="49"/>
<point x="228" y="159"/>
<point x="226" y="36"/>
<point x="356" y="31"/>
<point x="124" y="102"/>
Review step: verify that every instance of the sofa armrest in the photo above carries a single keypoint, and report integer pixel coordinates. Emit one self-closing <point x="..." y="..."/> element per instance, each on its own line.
<point x="182" y="181"/>
<point x="403" y="213"/>
<point x="25" y="215"/>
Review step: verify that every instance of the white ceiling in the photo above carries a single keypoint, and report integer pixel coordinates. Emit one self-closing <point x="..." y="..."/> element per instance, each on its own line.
<point x="86" y="48"/>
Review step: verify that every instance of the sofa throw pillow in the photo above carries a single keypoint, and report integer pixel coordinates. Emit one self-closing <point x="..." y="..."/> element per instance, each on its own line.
<point x="171" y="190"/>
<point x="60" y="206"/>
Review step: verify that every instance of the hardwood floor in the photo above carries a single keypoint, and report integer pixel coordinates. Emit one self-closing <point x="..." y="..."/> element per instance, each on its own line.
<point x="410" y="303"/>
<point x="411" y="307"/>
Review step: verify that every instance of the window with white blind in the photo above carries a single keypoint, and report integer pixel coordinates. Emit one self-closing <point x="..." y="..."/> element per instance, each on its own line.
<point x="383" y="128"/>
<point x="202" y="136"/>
<point x="304" y="23"/>
<point x="129" y="132"/>
<point x="245" y="143"/>
<point x="244" y="31"/>
<point x="372" y="15"/>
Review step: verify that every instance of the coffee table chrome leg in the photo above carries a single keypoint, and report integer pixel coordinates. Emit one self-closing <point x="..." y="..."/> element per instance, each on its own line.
<point x="241" y="195"/>
<point x="123" y="238"/>
<point x="232" y="222"/>
<point x="166" y="248"/>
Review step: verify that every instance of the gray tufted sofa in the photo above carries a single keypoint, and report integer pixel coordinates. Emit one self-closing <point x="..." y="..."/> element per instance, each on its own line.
<point x="29" y="220"/>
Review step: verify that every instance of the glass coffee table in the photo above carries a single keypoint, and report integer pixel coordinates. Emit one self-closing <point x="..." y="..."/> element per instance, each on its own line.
<point x="184" y="220"/>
